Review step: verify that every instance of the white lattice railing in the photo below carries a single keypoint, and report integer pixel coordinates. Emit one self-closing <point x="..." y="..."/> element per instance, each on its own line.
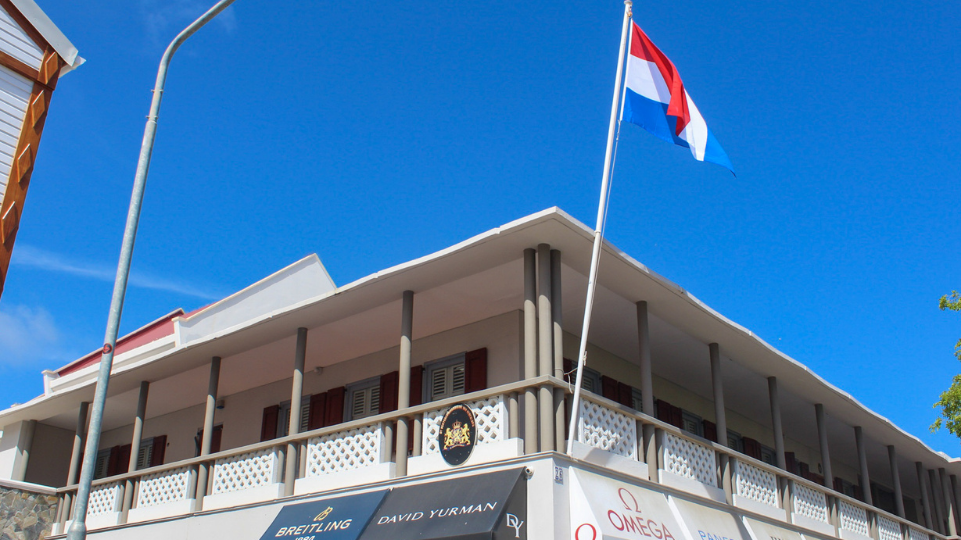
<point x="756" y="484"/>
<point x="607" y="429"/>
<point x="854" y="518"/>
<point x="164" y="487"/>
<point x="345" y="450"/>
<point x="888" y="529"/>
<point x="246" y="471"/>
<point x="810" y="503"/>
<point x="104" y="499"/>
<point x="689" y="459"/>
<point x="918" y="534"/>
<point x="489" y="413"/>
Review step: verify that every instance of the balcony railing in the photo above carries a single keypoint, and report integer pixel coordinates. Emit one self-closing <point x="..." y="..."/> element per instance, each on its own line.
<point x="363" y="450"/>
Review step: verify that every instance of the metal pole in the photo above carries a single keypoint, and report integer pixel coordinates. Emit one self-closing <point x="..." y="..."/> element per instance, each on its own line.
<point x="78" y="529"/>
<point x="598" y="231"/>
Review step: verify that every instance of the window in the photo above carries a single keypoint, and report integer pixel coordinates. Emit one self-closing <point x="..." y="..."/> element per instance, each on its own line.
<point x="590" y="382"/>
<point x="637" y="401"/>
<point x="735" y="441"/>
<point x="283" y="416"/>
<point x="103" y="459"/>
<point x="145" y="453"/>
<point x="446" y="377"/>
<point x="363" y="398"/>
<point x="691" y="423"/>
<point x="768" y="455"/>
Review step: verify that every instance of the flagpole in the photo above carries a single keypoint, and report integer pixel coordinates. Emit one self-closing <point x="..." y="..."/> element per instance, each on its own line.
<point x="599" y="230"/>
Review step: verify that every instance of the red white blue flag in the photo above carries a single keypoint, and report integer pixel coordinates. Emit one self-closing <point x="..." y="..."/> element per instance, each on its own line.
<point x="655" y="99"/>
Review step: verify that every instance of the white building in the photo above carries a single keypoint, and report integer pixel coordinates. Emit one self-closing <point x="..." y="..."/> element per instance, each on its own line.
<point x="295" y="396"/>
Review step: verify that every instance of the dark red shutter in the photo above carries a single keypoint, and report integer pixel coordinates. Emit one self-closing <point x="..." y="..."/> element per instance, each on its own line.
<point x="318" y="406"/>
<point x="113" y="461"/>
<point x="268" y="426"/>
<point x="158" y="450"/>
<point x="710" y="430"/>
<point x="663" y="410"/>
<point x="335" y="406"/>
<point x="838" y="485"/>
<point x="803" y="470"/>
<point x="475" y="373"/>
<point x="609" y="388"/>
<point x="388" y="391"/>
<point x="752" y="447"/>
<point x="677" y="417"/>
<point x="625" y="394"/>
<point x="416" y="386"/>
<point x="790" y="463"/>
<point x="859" y="493"/>
<point x="215" y="438"/>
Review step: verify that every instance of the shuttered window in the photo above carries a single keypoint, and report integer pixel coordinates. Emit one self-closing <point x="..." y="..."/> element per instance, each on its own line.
<point x="100" y="470"/>
<point x="283" y="424"/>
<point x="145" y="454"/>
<point x="446" y="377"/>
<point x="363" y="398"/>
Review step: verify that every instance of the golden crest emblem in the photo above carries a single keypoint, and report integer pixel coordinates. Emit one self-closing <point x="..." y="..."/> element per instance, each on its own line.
<point x="457" y="435"/>
<point x="324" y="514"/>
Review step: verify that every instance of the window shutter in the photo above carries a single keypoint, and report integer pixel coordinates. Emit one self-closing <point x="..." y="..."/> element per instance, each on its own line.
<point x="416" y="386"/>
<point x="157" y="454"/>
<point x="790" y="462"/>
<point x="624" y="394"/>
<point x="838" y="484"/>
<point x="335" y="406"/>
<point x="215" y="438"/>
<point x="475" y="364"/>
<point x="268" y="426"/>
<point x="677" y="417"/>
<point x="710" y="430"/>
<point x="752" y="447"/>
<point x="388" y="391"/>
<point x="113" y="462"/>
<point x="609" y="388"/>
<point x="318" y="406"/>
<point x="663" y="411"/>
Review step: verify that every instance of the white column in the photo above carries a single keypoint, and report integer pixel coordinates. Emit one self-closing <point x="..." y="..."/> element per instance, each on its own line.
<point x="825" y="452"/>
<point x="403" y="380"/>
<point x="545" y="341"/>
<point x="896" y="480"/>
<point x="560" y="423"/>
<point x="775" y="399"/>
<point x="296" y="396"/>
<point x="530" y="350"/>
<point x="863" y="462"/>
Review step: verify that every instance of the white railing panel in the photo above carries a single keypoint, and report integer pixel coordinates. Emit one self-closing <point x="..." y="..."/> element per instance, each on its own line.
<point x="163" y="487"/>
<point x="345" y="450"/>
<point x="607" y="429"/>
<point x="888" y="529"/>
<point x="810" y="503"/>
<point x="918" y="534"/>
<point x="689" y="459"/>
<point x="104" y="499"/>
<point x="854" y="518"/>
<point x="756" y="484"/>
<point x="245" y="471"/>
<point x="489" y="413"/>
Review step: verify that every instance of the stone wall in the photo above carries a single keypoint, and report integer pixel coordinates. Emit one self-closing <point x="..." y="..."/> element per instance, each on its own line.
<point x="26" y="515"/>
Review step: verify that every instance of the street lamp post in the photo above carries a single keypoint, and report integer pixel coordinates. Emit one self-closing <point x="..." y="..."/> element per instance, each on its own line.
<point x="78" y="529"/>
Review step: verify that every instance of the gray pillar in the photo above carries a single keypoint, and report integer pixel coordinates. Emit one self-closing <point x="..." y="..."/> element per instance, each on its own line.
<point x="925" y="495"/>
<point x="514" y="416"/>
<point x="24" y="443"/>
<point x="863" y="463"/>
<point x="558" y="333"/>
<point x="296" y="398"/>
<point x="948" y="501"/>
<point x="202" y="471"/>
<point x="135" y="448"/>
<point x="957" y="501"/>
<point x="775" y="399"/>
<point x="530" y="350"/>
<point x="720" y="414"/>
<point x="545" y="340"/>
<point x="825" y="453"/>
<point x="79" y="439"/>
<point x="403" y="380"/>
<point x="647" y="387"/>
<point x="936" y="500"/>
<point x="896" y="480"/>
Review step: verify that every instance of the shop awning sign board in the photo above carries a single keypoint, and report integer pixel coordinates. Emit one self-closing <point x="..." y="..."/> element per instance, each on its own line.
<point x="479" y="507"/>
<point x="708" y="523"/>
<point x="339" y="518"/>
<point x="603" y="508"/>
<point x="768" y="531"/>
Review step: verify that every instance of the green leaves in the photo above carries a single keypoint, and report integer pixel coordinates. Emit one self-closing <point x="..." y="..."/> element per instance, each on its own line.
<point x="950" y="402"/>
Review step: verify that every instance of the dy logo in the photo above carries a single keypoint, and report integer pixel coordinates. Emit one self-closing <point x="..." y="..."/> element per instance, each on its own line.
<point x="515" y="523"/>
<point x="458" y="433"/>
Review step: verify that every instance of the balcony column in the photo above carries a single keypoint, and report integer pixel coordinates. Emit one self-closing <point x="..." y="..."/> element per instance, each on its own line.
<point x="403" y="381"/>
<point x="896" y="480"/>
<point x="956" y="500"/>
<point x="27" y="428"/>
<point x="560" y="424"/>
<point x="208" y="433"/>
<point x="135" y="448"/>
<point x="720" y="417"/>
<point x="296" y="398"/>
<point x="825" y="452"/>
<point x="530" y="350"/>
<point x="647" y="388"/>
<point x="775" y="400"/>
<point x="936" y="501"/>
<point x="925" y="495"/>
<point x="863" y="462"/>
<point x="545" y="341"/>
<point x="79" y="439"/>
<point x="948" y="501"/>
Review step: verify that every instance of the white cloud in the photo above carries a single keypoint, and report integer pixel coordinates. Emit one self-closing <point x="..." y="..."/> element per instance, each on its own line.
<point x="164" y="19"/>
<point x="32" y="257"/>
<point x="28" y="336"/>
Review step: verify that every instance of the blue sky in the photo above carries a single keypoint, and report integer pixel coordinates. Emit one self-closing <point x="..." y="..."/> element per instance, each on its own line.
<point x="374" y="133"/>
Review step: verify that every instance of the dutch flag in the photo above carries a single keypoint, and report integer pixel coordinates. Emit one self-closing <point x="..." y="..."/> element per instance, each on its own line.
<point x="655" y="99"/>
